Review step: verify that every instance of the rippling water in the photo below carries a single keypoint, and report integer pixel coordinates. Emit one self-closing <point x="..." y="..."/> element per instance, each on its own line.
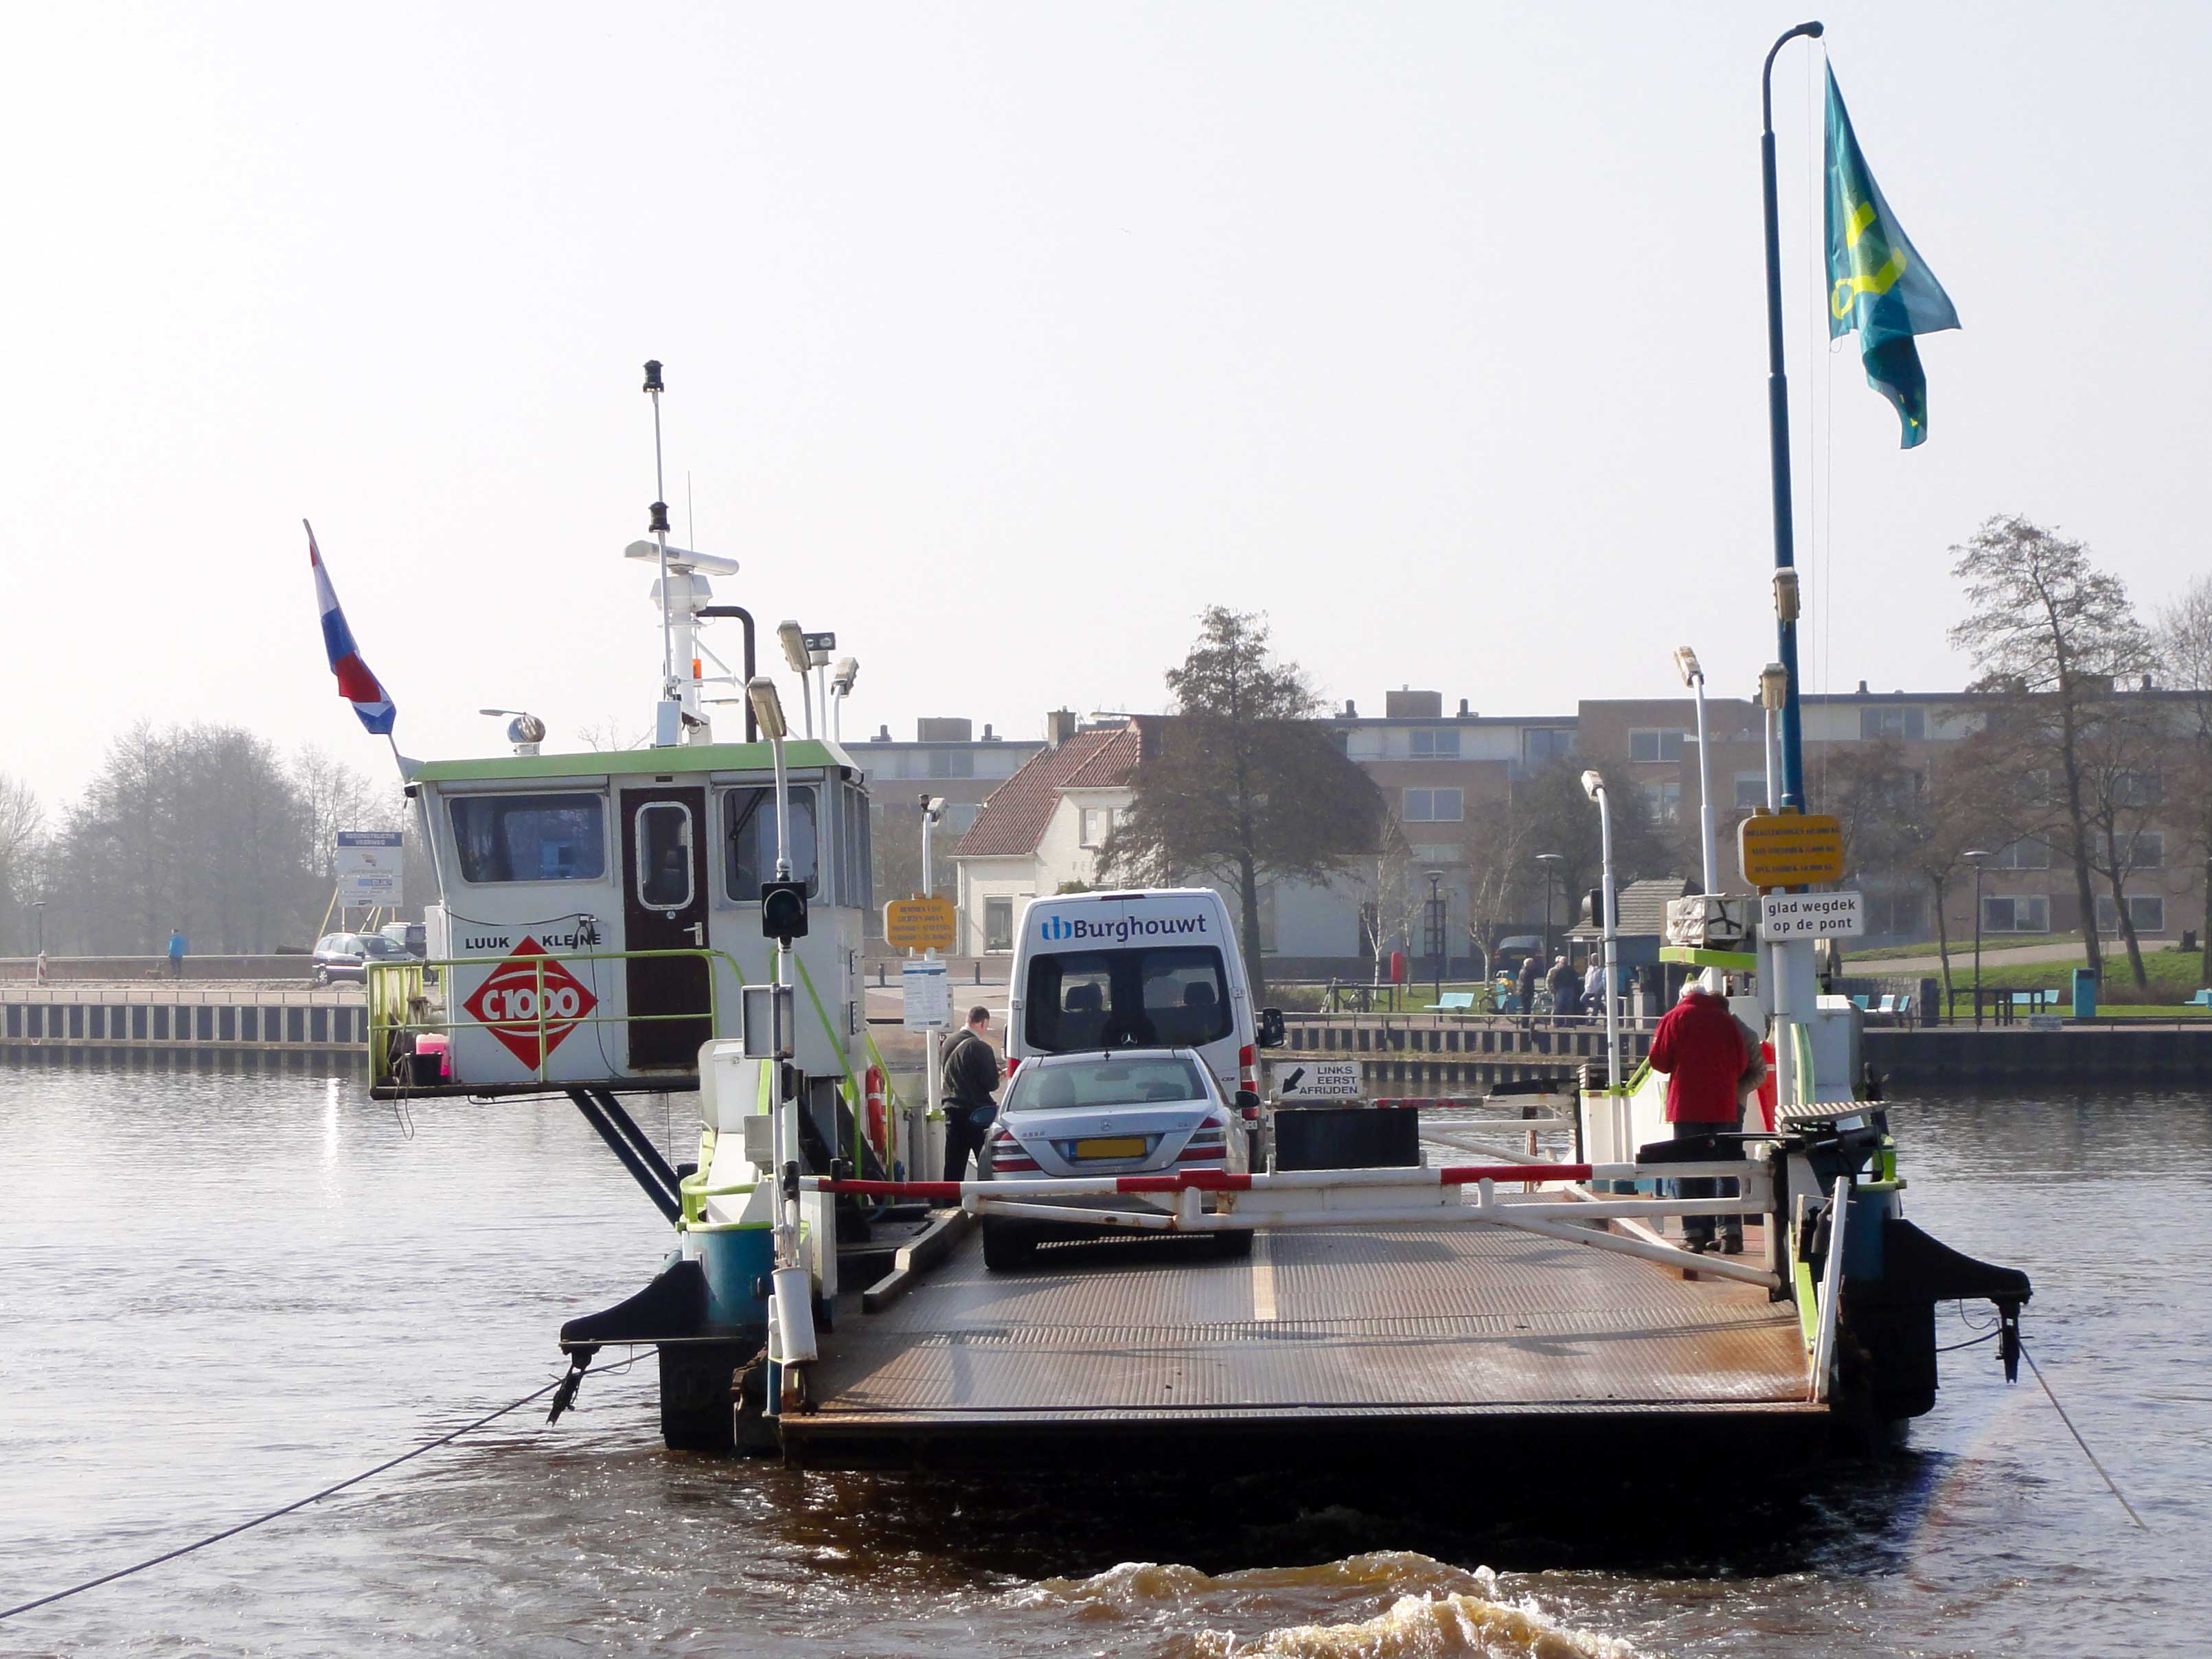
<point x="222" y="1291"/>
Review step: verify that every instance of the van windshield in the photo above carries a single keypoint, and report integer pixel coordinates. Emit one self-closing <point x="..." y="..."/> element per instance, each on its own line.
<point x="1170" y="997"/>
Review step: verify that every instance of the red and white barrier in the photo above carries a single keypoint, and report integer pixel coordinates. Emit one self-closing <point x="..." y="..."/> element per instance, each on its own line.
<point x="1338" y="1198"/>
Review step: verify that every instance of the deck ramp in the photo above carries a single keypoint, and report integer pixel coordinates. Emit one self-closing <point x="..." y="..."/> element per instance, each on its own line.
<point x="1407" y="1322"/>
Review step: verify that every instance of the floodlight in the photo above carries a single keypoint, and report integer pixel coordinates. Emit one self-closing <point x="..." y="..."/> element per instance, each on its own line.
<point x="1976" y="855"/>
<point x="793" y="638"/>
<point x="932" y="807"/>
<point x="1592" y="785"/>
<point x="767" y="708"/>
<point x="1773" y="685"/>
<point x="841" y="677"/>
<point x="1785" y="594"/>
<point x="1686" y="664"/>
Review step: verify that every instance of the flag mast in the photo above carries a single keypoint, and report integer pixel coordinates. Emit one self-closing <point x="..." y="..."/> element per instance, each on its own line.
<point x="1777" y="423"/>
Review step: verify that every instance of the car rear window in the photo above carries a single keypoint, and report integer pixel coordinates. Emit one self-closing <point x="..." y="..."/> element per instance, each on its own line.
<point x="1172" y="997"/>
<point x="1161" y="1079"/>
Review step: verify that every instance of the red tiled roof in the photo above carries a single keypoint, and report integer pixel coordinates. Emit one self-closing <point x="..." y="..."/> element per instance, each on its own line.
<point x="1013" y="819"/>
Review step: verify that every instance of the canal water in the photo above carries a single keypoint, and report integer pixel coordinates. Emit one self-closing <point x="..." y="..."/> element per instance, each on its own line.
<point x="222" y="1291"/>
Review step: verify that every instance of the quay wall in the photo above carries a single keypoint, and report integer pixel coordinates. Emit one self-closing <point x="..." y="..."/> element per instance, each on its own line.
<point x="183" y="1018"/>
<point x="1932" y="1056"/>
<point x="290" y="965"/>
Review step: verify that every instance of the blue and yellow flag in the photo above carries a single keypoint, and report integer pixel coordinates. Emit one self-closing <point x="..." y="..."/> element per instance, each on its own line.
<point x="1876" y="282"/>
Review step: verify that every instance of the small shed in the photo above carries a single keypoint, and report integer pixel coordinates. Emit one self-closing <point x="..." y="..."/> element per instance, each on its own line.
<point x="1641" y="927"/>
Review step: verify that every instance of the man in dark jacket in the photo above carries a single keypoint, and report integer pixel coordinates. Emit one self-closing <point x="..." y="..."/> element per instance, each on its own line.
<point x="969" y="1072"/>
<point x="1700" y="1046"/>
<point x="1525" y="983"/>
<point x="1566" y="989"/>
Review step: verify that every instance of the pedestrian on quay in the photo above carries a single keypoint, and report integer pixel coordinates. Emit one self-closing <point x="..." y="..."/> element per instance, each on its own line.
<point x="970" y="1073"/>
<point x="177" y="948"/>
<point x="1566" y="988"/>
<point x="1700" y="1047"/>
<point x="1525" y="984"/>
<point x="1593" y="983"/>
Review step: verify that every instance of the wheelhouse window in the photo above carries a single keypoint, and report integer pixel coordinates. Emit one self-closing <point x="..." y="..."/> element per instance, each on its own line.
<point x="1171" y="997"/>
<point x="749" y="840"/>
<point x="856" y="869"/>
<point x="664" y="855"/>
<point x="506" y="837"/>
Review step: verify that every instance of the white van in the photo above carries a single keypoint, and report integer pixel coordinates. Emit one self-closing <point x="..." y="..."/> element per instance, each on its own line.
<point x="1155" y="968"/>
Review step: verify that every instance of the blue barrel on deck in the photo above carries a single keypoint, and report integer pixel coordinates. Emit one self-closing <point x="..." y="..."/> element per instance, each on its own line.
<point x="2085" y="993"/>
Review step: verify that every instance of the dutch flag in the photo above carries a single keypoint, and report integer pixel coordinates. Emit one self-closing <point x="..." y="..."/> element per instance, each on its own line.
<point x="355" y="683"/>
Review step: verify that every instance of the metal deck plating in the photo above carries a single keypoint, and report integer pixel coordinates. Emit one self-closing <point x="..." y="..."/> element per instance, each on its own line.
<point x="1405" y="1326"/>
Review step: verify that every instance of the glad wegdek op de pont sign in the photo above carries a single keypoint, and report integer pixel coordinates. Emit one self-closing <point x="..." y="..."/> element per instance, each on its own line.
<point x="1811" y="915"/>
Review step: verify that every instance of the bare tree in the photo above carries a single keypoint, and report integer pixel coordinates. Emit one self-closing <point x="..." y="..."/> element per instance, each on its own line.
<point x="2184" y="647"/>
<point x="22" y="850"/>
<point x="1242" y="785"/>
<point x="1500" y="841"/>
<point x="2049" y="632"/>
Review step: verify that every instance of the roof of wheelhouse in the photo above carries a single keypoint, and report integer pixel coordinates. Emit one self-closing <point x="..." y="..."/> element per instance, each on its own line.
<point x="806" y="753"/>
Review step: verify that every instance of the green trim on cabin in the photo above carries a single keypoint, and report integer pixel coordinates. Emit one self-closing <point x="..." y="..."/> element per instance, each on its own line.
<point x="1733" y="961"/>
<point x="806" y="753"/>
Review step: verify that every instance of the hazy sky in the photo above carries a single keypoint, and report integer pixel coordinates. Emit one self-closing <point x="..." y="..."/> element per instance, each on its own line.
<point x="1001" y="338"/>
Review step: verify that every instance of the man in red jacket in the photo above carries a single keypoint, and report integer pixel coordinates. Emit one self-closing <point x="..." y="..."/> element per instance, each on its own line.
<point x="1700" y="1046"/>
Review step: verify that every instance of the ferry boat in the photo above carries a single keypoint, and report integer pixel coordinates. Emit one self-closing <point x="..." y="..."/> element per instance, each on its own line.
<point x="690" y="916"/>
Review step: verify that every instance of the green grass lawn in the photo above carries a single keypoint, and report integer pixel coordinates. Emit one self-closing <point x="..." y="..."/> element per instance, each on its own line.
<point x="2008" y="942"/>
<point x="2174" y="976"/>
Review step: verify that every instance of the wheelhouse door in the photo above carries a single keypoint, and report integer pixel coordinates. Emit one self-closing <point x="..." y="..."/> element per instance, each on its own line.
<point x="664" y="909"/>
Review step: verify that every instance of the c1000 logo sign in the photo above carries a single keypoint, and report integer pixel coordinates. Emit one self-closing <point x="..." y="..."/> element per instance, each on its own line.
<point x="506" y="1003"/>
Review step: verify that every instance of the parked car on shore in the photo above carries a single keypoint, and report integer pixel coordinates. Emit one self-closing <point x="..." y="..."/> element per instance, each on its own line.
<point x="347" y="956"/>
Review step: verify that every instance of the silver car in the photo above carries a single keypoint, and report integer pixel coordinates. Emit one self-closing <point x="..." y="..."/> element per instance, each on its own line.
<point x="1129" y="1111"/>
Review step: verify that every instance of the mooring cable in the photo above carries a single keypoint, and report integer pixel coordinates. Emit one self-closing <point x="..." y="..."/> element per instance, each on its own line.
<point x="312" y="1497"/>
<point x="2079" y="1441"/>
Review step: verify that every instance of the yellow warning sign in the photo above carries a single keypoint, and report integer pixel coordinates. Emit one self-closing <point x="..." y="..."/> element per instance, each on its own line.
<point x="918" y="924"/>
<point x="1790" y="850"/>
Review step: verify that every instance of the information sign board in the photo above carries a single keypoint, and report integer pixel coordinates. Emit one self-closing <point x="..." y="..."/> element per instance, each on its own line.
<point x="918" y="924"/>
<point x="928" y="996"/>
<point x="1790" y="850"/>
<point x="1317" y="1079"/>
<point x="368" y="866"/>
<point x="1811" y="915"/>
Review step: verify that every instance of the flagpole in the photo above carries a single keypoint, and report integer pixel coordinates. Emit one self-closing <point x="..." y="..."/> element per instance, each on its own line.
<point x="1777" y="423"/>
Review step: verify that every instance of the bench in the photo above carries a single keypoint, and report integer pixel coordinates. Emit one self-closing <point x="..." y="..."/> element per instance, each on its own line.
<point x="2201" y="999"/>
<point x="1453" y="1002"/>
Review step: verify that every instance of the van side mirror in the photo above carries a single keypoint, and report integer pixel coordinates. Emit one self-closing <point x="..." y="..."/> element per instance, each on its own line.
<point x="1248" y="1100"/>
<point x="1271" y="1035"/>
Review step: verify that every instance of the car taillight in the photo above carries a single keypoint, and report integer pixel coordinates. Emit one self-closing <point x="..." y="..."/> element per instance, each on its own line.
<point x="1209" y="1143"/>
<point x="1008" y="1154"/>
<point x="1013" y="1064"/>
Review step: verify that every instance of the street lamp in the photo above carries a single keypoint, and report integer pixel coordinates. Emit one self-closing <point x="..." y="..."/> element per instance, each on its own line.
<point x="1436" y="939"/>
<point x="1685" y="663"/>
<point x="1975" y="858"/>
<point x="767" y="713"/>
<point x="1593" y="787"/>
<point x="40" y="905"/>
<point x="793" y="638"/>
<point x="841" y="682"/>
<point x="1550" y="861"/>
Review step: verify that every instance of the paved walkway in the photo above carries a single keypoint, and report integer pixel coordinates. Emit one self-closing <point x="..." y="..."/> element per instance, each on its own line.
<point x="1963" y="955"/>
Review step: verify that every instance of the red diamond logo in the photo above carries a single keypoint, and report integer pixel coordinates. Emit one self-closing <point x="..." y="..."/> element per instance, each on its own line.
<point x="506" y="1003"/>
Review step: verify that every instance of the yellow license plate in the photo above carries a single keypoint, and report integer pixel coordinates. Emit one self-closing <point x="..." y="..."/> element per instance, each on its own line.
<point x="1111" y="1147"/>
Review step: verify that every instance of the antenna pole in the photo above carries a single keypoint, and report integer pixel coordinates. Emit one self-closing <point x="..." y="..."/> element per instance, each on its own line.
<point x="668" y="723"/>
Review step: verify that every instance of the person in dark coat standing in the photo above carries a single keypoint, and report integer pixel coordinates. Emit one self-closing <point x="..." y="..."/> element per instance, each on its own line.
<point x="1525" y="985"/>
<point x="1700" y="1046"/>
<point x="970" y="1073"/>
<point x="1566" y="989"/>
